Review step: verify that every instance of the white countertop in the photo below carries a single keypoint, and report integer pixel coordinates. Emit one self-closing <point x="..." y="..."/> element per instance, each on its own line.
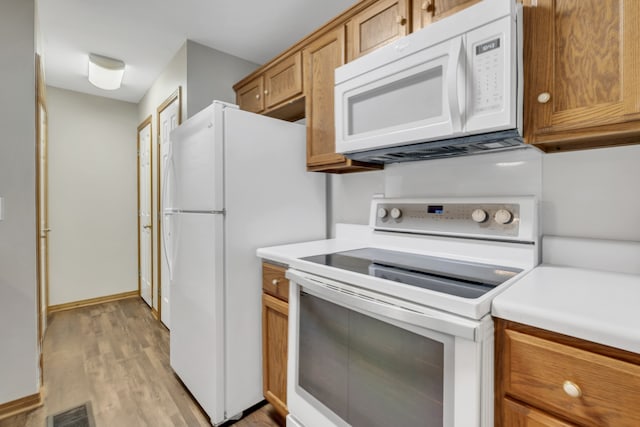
<point x="594" y="305"/>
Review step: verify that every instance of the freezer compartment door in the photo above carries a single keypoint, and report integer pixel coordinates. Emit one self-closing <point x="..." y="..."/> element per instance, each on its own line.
<point x="197" y="330"/>
<point x="195" y="173"/>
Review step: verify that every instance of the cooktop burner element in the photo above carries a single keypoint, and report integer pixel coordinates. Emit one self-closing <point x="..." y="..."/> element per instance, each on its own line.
<point x="454" y="277"/>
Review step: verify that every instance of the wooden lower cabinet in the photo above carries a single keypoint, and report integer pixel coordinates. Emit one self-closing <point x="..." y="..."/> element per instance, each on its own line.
<point x="518" y="415"/>
<point x="547" y="379"/>
<point x="275" y="329"/>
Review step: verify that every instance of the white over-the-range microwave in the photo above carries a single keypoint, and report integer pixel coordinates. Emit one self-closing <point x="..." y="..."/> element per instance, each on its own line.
<point x="452" y="88"/>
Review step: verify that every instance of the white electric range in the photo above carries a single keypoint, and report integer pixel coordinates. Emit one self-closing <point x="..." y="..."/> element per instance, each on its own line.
<point x="389" y="324"/>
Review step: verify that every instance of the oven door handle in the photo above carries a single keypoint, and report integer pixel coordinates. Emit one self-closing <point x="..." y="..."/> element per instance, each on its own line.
<point x="419" y="316"/>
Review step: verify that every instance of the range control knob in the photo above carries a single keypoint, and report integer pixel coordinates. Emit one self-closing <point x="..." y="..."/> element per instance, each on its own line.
<point x="479" y="215"/>
<point x="396" y="213"/>
<point x="503" y="216"/>
<point x="382" y="212"/>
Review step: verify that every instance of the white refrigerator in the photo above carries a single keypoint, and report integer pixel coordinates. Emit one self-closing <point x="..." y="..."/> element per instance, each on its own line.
<point x="236" y="181"/>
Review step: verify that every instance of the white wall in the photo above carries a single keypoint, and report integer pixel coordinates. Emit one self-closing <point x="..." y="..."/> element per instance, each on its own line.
<point x="93" y="196"/>
<point x="19" y="372"/>
<point x="593" y="193"/>
<point x="590" y="193"/>
<point x="211" y="75"/>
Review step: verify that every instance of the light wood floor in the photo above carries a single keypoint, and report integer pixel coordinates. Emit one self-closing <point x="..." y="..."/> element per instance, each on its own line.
<point x="116" y="355"/>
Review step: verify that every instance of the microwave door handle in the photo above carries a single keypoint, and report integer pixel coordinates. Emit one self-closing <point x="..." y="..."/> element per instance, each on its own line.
<point x="455" y="62"/>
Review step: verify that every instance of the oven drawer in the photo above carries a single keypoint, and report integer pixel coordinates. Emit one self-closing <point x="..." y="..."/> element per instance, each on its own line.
<point x="586" y="387"/>
<point x="274" y="282"/>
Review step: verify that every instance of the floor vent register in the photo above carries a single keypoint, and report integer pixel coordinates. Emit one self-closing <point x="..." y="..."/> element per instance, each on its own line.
<point x="80" y="416"/>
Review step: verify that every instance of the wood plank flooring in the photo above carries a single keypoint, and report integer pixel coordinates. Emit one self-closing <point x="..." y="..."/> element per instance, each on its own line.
<point x="116" y="355"/>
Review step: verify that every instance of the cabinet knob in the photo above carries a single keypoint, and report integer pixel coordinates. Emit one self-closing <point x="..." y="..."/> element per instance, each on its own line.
<point x="428" y="6"/>
<point x="275" y="282"/>
<point x="401" y="20"/>
<point x="266" y="92"/>
<point x="571" y="389"/>
<point x="544" y="97"/>
<point x="257" y="96"/>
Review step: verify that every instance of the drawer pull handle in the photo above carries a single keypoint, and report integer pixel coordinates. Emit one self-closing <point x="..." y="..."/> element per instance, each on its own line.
<point x="571" y="389"/>
<point x="544" y="97"/>
<point x="275" y="282"/>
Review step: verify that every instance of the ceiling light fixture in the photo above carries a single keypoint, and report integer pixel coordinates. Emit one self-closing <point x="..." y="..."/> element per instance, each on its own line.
<point x="105" y="73"/>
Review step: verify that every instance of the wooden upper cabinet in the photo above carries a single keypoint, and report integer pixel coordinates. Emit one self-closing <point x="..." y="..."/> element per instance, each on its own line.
<point x="321" y="58"/>
<point x="379" y="24"/>
<point x="283" y="81"/>
<point x="250" y="95"/>
<point x="426" y="12"/>
<point x="582" y="84"/>
<point x="276" y="91"/>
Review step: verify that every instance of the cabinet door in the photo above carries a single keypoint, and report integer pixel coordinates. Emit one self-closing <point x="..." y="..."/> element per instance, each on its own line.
<point x="426" y="12"/>
<point x="383" y="22"/>
<point x="283" y="81"/>
<point x="274" y="352"/>
<point x="582" y="85"/>
<point x="517" y="415"/>
<point x="321" y="58"/>
<point x="250" y="96"/>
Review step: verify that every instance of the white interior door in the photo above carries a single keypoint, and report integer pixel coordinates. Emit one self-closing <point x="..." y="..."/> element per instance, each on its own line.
<point x="145" y="224"/>
<point x="168" y="119"/>
<point x="43" y="217"/>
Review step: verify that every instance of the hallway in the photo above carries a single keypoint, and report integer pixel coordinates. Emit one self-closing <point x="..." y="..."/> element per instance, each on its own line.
<point x="116" y="355"/>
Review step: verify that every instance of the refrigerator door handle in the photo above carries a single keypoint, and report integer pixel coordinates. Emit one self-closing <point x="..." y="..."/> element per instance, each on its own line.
<point x="164" y="220"/>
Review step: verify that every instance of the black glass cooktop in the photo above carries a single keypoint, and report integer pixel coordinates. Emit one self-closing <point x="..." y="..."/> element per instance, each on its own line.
<point x="460" y="278"/>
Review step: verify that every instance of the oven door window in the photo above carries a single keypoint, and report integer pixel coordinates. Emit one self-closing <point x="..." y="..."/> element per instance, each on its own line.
<point x="368" y="372"/>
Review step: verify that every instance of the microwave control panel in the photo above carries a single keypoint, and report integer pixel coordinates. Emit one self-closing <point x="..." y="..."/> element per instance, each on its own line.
<point x="488" y="70"/>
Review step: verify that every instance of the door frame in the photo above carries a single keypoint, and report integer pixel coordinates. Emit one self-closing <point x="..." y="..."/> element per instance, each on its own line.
<point x="170" y="99"/>
<point x="42" y="197"/>
<point x="146" y="122"/>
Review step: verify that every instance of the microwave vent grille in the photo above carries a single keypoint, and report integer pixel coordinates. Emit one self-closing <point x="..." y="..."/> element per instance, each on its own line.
<point x="455" y="147"/>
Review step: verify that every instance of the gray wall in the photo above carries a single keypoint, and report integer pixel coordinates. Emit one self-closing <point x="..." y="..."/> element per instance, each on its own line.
<point x="211" y="75"/>
<point x="19" y="371"/>
<point x="93" y="204"/>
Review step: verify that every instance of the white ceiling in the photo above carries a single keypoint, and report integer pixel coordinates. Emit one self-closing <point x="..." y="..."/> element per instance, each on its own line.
<point x="146" y="34"/>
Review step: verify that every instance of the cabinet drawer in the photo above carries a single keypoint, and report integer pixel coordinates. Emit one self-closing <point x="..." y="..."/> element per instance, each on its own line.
<point x="515" y="414"/>
<point x="273" y="281"/>
<point x="545" y="373"/>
